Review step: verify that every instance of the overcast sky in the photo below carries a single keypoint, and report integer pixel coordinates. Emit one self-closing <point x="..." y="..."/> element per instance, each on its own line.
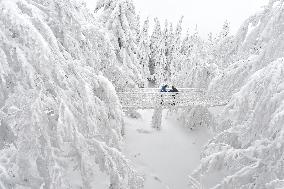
<point x="208" y="15"/>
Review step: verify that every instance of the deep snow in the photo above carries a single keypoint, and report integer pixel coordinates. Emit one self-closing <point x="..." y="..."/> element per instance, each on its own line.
<point x="165" y="157"/>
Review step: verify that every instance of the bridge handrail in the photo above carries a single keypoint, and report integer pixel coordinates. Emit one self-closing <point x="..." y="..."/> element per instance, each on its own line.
<point x="152" y="97"/>
<point x="161" y="93"/>
<point x="158" y="89"/>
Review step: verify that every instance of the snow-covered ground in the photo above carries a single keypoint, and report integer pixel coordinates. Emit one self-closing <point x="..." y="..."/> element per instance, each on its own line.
<point x="165" y="157"/>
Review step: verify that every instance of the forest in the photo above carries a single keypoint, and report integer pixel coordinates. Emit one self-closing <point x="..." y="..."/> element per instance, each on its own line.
<point x="62" y="64"/>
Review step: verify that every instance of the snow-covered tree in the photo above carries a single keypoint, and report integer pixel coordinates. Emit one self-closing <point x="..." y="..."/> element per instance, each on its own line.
<point x="144" y="50"/>
<point x="169" y="37"/>
<point x="177" y="43"/>
<point x="60" y="117"/>
<point x="120" y="18"/>
<point x="165" y="57"/>
<point x="195" y="117"/>
<point x="157" y="118"/>
<point x="197" y="70"/>
<point x="247" y="151"/>
<point x="186" y="45"/>
<point x="225" y="30"/>
<point x="222" y="47"/>
<point x="157" y="55"/>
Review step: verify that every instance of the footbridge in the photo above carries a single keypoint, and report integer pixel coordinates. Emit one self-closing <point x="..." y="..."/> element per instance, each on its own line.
<point x="152" y="98"/>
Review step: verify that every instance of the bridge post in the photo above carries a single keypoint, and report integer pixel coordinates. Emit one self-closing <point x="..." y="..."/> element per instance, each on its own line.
<point x="157" y="118"/>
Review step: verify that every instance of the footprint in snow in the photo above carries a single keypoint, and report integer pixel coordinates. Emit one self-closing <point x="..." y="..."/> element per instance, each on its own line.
<point x="157" y="178"/>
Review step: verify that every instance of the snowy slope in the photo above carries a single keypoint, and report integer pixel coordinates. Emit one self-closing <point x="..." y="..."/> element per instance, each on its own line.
<point x="165" y="157"/>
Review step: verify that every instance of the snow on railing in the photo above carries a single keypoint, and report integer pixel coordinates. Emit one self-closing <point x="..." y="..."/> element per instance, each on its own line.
<point x="194" y="183"/>
<point x="158" y="90"/>
<point x="150" y="98"/>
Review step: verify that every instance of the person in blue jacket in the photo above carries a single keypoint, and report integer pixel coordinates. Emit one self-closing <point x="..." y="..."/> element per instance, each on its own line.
<point x="164" y="88"/>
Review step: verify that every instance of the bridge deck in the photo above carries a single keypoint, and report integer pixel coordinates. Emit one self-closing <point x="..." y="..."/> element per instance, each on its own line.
<point x="150" y="98"/>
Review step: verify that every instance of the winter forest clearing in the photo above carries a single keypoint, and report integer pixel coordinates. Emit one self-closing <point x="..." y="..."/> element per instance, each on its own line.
<point x="73" y="81"/>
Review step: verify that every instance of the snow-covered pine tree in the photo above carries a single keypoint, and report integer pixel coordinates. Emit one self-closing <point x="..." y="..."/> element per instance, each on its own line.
<point x="137" y="29"/>
<point x="170" y="48"/>
<point x="225" y="30"/>
<point x="222" y="49"/>
<point x="154" y="39"/>
<point x="162" y="52"/>
<point x="177" y="58"/>
<point x="197" y="72"/>
<point x="255" y="46"/>
<point x="120" y="18"/>
<point x="248" y="149"/>
<point x="187" y="45"/>
<point x="186" y="52"/>
<point x="168" y="40"/>
<point x="161" y="70"/>
<point x="157" y="55"/>
<point x="144" y="50"/>
<point x="60" y="118"/>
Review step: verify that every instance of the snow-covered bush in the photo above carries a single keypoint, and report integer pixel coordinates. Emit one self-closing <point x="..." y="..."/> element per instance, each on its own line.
<point x="58" y="113"/>
<point x="197" y="116"/>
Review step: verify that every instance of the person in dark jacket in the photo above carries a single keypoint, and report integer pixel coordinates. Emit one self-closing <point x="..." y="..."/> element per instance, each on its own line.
<point x="164" y="88"/>
<point x="174" y="90"/>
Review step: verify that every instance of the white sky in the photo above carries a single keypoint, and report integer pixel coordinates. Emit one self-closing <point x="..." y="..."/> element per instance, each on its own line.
<point x="208" y="15"/>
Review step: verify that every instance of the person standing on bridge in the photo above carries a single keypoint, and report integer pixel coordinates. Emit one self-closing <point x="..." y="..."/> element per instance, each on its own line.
<point x="174" y="90"/>
<point x="163" y="89"/>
